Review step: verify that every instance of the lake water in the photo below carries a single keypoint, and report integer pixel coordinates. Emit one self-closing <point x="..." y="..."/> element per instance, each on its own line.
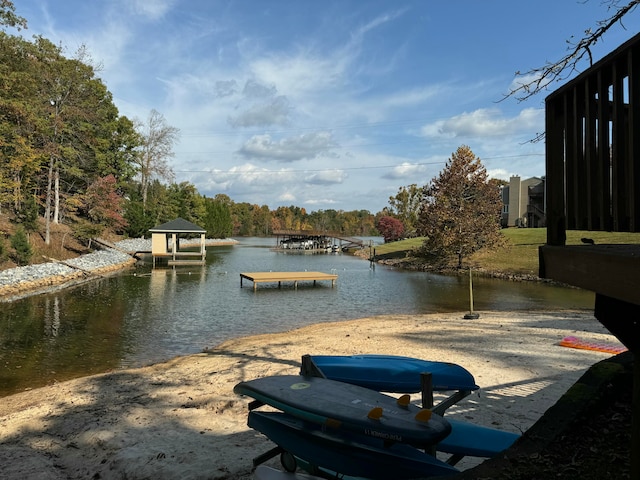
<point x="143" y="316"/>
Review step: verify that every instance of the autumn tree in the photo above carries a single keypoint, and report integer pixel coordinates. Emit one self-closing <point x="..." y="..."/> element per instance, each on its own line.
<point x="390" y="228"/>
<point x="103" y="203"/>
<point x="157" y="138"/>
<point x="460" y="211"/>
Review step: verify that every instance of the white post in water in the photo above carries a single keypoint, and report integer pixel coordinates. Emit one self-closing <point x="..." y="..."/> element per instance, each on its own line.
<point x="471" y="315"/>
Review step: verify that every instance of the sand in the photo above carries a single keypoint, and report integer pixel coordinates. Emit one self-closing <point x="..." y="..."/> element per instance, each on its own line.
<point x="181" y="419"/>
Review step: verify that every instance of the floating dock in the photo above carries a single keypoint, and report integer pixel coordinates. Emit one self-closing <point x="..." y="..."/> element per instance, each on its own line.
<point x="295" y="277"/>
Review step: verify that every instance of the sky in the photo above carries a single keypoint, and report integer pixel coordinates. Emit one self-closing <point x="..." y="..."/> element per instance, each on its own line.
<point x="332" y="104"/>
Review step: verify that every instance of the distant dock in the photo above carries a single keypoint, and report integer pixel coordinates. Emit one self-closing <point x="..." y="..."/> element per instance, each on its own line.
<point x="295" y="277"/>
<point x="314" y="241"/>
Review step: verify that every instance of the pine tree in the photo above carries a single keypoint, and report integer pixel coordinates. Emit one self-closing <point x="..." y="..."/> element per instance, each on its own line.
<point x="460" y="211"/>
<point x="21" y="246"/>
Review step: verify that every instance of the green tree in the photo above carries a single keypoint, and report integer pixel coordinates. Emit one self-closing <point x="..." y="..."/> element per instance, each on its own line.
<point x="8" y="15"/>
<point x="217" y="220"/>
<point x="21" y="246"/>
<point x="241" y="219"/>
<point x="20" y="160"/>
<point x="28" y="214"/>
<point x="261" y="220"/>
<point x="405" y="206"/>
<point x="76" y="126"/>
<point x="460" y="211"/>
<point x="138" y="220"/>
<point x="186" y="202"/>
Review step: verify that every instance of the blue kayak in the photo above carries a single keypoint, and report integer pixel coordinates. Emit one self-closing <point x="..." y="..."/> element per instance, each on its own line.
<point x="389" y="373"/>
<point x="342" y="407"/>
<point x="346" y="453"/>
<point x="467" y="439"/>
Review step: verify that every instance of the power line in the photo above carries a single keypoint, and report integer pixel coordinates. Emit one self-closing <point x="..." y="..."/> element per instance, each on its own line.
<point x="371" y="167"/>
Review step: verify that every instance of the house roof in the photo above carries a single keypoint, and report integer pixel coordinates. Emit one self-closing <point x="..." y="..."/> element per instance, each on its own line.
<point x="179" y="225"/>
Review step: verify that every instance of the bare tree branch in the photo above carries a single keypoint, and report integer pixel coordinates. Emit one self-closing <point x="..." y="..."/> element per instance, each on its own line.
<point x="538" y="79"/>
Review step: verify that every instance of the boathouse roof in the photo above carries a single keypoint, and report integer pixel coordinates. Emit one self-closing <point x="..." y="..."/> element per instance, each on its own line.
<point x="179" y="225"/>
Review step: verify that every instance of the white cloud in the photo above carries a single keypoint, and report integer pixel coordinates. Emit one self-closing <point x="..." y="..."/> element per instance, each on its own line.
<point x="315" y="202"/>
<point x="405" y="170"/>
<point x="287" y="197"/>
<point x="326" y="177"/>
<point x="500" y="173"/>
<point x="304" y="146"/>
<point x="486" y="122"/>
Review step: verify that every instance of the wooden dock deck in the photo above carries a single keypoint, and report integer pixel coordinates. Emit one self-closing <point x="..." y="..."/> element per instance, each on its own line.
<point x="295" y="277"/>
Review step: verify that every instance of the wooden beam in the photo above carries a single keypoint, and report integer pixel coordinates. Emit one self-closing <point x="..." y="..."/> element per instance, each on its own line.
<point x="611" y="270"/>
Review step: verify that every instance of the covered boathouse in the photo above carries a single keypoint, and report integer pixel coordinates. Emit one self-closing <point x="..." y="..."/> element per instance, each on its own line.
<point x="165" y="243"/>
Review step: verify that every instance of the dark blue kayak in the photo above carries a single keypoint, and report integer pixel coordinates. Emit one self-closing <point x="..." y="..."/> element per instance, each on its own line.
<point x="390" y="373"/>
<point x="345" y="408"/>
<point x="346" y="453"/>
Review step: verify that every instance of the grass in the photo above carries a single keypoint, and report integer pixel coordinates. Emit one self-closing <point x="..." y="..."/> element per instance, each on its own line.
<point x="520" y="255"/>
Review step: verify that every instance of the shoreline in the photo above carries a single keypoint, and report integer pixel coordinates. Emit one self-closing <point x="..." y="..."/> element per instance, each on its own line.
<point x="53" y="283"/>
<point x="180" y="419"/>
<point x="43" y="278"/>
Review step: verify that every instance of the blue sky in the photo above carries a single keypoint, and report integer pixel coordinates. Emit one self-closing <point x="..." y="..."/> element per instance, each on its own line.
<point x="331" y="104"/>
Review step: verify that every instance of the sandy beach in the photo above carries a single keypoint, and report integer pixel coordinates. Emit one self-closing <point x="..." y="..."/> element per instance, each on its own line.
<point x="181" y="419"/>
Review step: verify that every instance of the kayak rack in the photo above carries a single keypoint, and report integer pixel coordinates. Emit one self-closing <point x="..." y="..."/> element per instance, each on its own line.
<point x="308" y="368"/>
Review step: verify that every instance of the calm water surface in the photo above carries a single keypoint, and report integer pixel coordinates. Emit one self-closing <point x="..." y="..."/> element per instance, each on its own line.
<point x="143" y="316"/>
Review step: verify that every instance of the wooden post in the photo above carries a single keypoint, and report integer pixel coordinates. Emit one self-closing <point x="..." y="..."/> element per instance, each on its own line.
<point x="471" y="315"/>
<point x="470" y="292"/>
<point x="426" y="388"/>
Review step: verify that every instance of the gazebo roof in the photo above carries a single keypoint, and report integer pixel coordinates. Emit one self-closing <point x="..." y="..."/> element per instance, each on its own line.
<point x="179" y="225"/>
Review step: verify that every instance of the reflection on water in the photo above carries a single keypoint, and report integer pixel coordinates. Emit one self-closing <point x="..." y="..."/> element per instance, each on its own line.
<point x="144" y="316"/>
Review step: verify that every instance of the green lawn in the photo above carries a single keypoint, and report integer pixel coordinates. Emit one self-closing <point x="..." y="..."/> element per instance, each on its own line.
<point x="520" y="256"/>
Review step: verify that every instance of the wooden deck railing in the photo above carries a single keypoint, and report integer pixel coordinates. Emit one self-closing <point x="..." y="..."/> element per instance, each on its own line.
<point x="593" y="148"/>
